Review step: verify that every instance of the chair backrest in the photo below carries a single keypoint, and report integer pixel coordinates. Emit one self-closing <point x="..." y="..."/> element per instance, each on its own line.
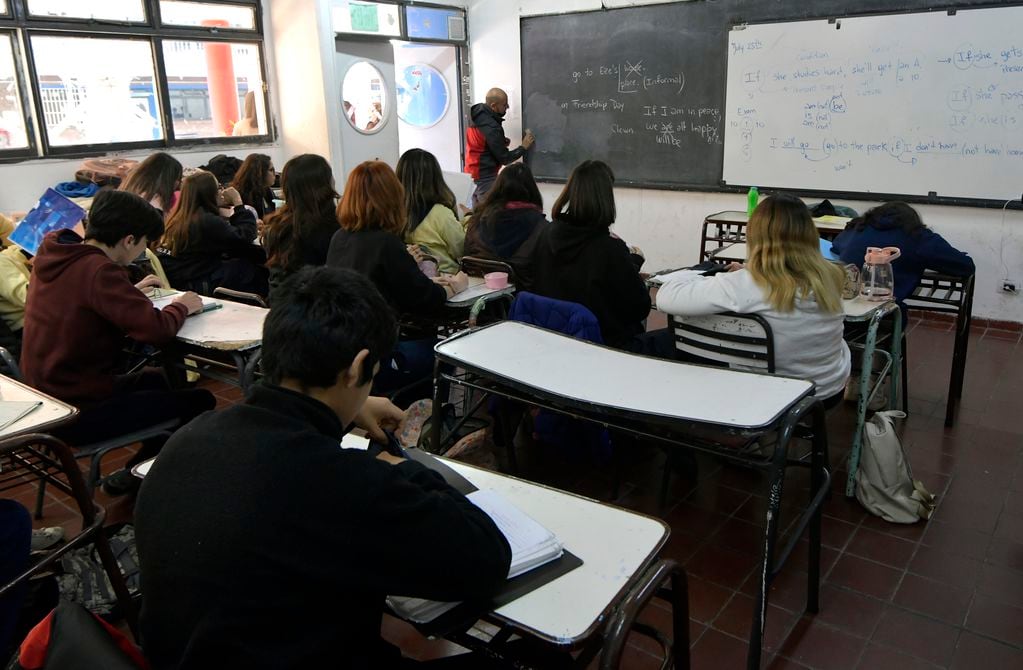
<point x="154" y="262"/>
<point x="561" y="316"/>
<point x="475" y="266"/>
<point x="243" y="297"/>
<point x="735" y="340"/>
<point x="9" y="365"/>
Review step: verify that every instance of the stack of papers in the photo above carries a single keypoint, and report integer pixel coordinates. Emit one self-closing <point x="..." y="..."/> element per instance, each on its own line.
<point x="164" y="297"/>
<point x="13" y="410"/>
<point x="532" y="545"/>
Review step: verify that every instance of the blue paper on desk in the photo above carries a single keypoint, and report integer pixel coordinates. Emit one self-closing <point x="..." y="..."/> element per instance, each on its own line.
<point x="52" y="212"/>
<point x="827" y="252"/>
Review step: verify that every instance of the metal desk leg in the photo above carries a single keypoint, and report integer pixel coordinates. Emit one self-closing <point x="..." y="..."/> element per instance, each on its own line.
<point x="958" y="374"/>
<point x="896" y="366"/>
<point x="866" y="368"/>
<point x="440" y="396"/>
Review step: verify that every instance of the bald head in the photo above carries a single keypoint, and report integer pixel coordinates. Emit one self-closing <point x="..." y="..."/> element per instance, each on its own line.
<point x="496" y="96"/>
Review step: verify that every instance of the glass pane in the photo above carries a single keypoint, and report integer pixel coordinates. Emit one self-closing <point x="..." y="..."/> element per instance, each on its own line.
<point x="423" y="96"/>
<point x="434" y="24"/>
<point x="216" y="88"/>
<point x="203" y="14"/>
<point x="3" y="7"/>
<point x="96" y="91"/>
<point x="363" y="99"/>
<point x="351" y="16"/>
<point x="12" y="120"/>
<point x="108" y="10"/>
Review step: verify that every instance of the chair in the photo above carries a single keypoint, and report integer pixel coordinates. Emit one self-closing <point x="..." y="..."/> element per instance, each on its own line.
<point x="475" y="266"/>
<point x="734" y="340"/>
<point x="96" y="450"/>
<point x="154" y="262"/>
<point x="243" y="297"/>
<point x="48" y="459"/>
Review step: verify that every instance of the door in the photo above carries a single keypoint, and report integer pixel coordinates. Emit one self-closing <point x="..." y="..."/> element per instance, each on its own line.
<point x="427" y="101"/>
<point x="364" y="107"/>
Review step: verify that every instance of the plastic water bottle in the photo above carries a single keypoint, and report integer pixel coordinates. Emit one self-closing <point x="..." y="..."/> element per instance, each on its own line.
<point x="752" y="199"/>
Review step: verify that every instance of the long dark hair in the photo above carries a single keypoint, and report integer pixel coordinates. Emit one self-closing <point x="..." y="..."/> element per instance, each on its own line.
<point x="515" y="183"/>
<point x="198" y="197"/>
<point x="588" y="198"/>
<point x="423" y="181"/>
<point x="250" y="180"/>
<point x="889" y="215"/>
<point x="309" y="199"/>
<point x="158" y="176"/>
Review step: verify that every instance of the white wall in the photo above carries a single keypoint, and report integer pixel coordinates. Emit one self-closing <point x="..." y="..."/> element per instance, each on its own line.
<point x="666" y="224"/>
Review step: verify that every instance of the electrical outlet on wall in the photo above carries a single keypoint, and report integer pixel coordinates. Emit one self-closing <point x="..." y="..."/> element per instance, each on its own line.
<point x="1010" y="286"/>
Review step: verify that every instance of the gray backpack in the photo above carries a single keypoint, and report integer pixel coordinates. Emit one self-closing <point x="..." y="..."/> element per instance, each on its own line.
<point x="884" y="480"/>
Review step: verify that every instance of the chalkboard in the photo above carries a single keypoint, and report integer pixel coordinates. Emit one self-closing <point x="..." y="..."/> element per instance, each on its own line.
<point x="912" y="103"/>
<point x="571" y="64"/>
<point x="635" y="88"/>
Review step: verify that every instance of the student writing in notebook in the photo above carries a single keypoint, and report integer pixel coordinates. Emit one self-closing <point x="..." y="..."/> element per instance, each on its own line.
<point x="278" y="548"/>
<point x="81" y="306"/>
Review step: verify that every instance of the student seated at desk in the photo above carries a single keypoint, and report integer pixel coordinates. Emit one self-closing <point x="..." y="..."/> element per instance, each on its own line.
<point x="372" y="218"/>
<point x="157" y="179"/>
<point x="202" y="250"/>
<point x="507" y="224"/>
<point x="299" y="233"/>
<point x="896" y="224"/>
<point x="81" y="306"/>
<point x="253" y="181"/>
<point x="578" y="259"/>
<point x="15" y="271"/>
<point x="786" y="281"/>
<point x="430" y="209"/>
<point x="262" y="544"/>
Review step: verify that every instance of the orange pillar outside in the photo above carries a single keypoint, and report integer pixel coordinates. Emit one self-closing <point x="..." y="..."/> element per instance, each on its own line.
<point x="222" y="86"/>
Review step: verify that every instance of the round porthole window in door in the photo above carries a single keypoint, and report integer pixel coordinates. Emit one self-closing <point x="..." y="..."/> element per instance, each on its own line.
<point x="364" y="99"/>
<point x="423" y="95"/>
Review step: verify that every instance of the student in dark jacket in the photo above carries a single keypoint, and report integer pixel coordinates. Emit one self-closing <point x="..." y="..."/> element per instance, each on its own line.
<point x="278" y="549"/>
<point x="372" y="218"/>
<point x="253" y="181"/>
<point x="486" y="147"/>
<point x="896" y="224"/>
<point x="81" y="305"/>
<point x="299" y="233"/>
<point x="202" y="250"/>
<point x="506" y="225"/>
<point x="578" y="259"/>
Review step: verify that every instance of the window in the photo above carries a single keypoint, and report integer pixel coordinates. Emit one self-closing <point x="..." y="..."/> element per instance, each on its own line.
<point x="205" y="14"/>
<point x="96" y="91"/>
<point x="368" y="18"/>
<point x="79" y="77"/>
<point x="216" y="89"/>
<point x="109" y="10"/>
<point x="13" y="134"/>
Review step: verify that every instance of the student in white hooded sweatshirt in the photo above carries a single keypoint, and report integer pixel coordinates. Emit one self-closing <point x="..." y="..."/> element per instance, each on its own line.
<point x="788" y="283"/>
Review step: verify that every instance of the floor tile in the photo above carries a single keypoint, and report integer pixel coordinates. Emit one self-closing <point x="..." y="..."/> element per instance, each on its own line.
<point x="720" y="565"/>
<point x="737" y="617"/>
<point x="917" y="635"/>
<point x="870" y="578"/>
<point x="933" y="599"/>
<point x="822" y="647"/>
<point x="879" y="657"/>
<point x="881" y="548"/>
<point x="850" y="611"/>
<point x="706" y="599"/>
<point x="1001" y="583"/>
<point x="951" y="569"/>
<point x="996" y="619"/>
<point x="717" y="650"/>
<point x="977" y="652"/>
<point x="955" y="539"/>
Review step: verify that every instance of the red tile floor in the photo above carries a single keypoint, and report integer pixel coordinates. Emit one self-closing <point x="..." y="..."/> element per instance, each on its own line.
<point x="946" y="593"/>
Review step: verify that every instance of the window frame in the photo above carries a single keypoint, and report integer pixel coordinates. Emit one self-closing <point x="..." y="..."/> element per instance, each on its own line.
<point x="23" y="26"/>
<point x="429" y="40"/>
<point x="25" y="97"/>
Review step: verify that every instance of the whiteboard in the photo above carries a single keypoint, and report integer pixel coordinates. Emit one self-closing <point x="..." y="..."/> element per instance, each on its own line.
<point x="905" y="104"/>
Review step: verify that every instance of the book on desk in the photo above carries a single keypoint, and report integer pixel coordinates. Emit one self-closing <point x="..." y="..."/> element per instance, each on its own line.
<point x="162" y="297"/>
<point x="532" y="545"/>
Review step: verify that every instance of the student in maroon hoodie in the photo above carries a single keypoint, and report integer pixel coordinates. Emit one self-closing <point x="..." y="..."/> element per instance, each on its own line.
<point x="81" y="305"/>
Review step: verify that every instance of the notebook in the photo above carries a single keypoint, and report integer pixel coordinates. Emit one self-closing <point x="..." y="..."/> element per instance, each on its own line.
<point x="532" y="546"/>
<point x="12" y="410"/>
<point x="163" y="297"/>
<point x="52" y="212"/>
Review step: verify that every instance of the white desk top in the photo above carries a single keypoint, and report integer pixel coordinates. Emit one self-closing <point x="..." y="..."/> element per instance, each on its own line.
<point x="736" y="251"/>
<point x="613" y="543"/>
<point x="477" y="289"/>
<point x="233" y="327"/>
<point x="52" y="413"/>
<point x="828" y="223"/>
<point x="586" y="372"/>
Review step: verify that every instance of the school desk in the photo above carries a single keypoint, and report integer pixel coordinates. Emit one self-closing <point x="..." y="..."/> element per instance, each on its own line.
<point x="52" y="413"/>
<point x="724" y="228"/>
<point x="230" y="336"/>
<point x="669" y="402"/>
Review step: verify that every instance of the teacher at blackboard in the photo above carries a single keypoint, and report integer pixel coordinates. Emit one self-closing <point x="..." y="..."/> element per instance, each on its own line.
<point x="486" y="147"/>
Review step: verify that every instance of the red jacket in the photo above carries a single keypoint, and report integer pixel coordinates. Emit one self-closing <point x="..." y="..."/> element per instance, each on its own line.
<point x="80" y="307"/>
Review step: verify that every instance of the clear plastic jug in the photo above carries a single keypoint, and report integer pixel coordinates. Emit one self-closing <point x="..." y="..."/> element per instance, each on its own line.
<point x="877" y="281"/>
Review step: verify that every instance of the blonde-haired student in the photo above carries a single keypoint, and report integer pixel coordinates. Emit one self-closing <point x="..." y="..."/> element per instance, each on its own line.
<point x="788" y="283"/>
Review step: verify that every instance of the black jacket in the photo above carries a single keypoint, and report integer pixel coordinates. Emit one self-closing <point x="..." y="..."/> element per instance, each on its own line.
<point x="486" y="139"/>
<point x="382" y="257"/>
<point x="584" y="264"/>
<point x="263" y="544"/>
<point x="210" y="241"/>
<point x="508" y="236"/>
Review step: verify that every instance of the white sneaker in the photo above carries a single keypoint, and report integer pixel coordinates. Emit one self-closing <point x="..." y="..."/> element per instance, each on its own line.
<point x="44" y="538"/>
